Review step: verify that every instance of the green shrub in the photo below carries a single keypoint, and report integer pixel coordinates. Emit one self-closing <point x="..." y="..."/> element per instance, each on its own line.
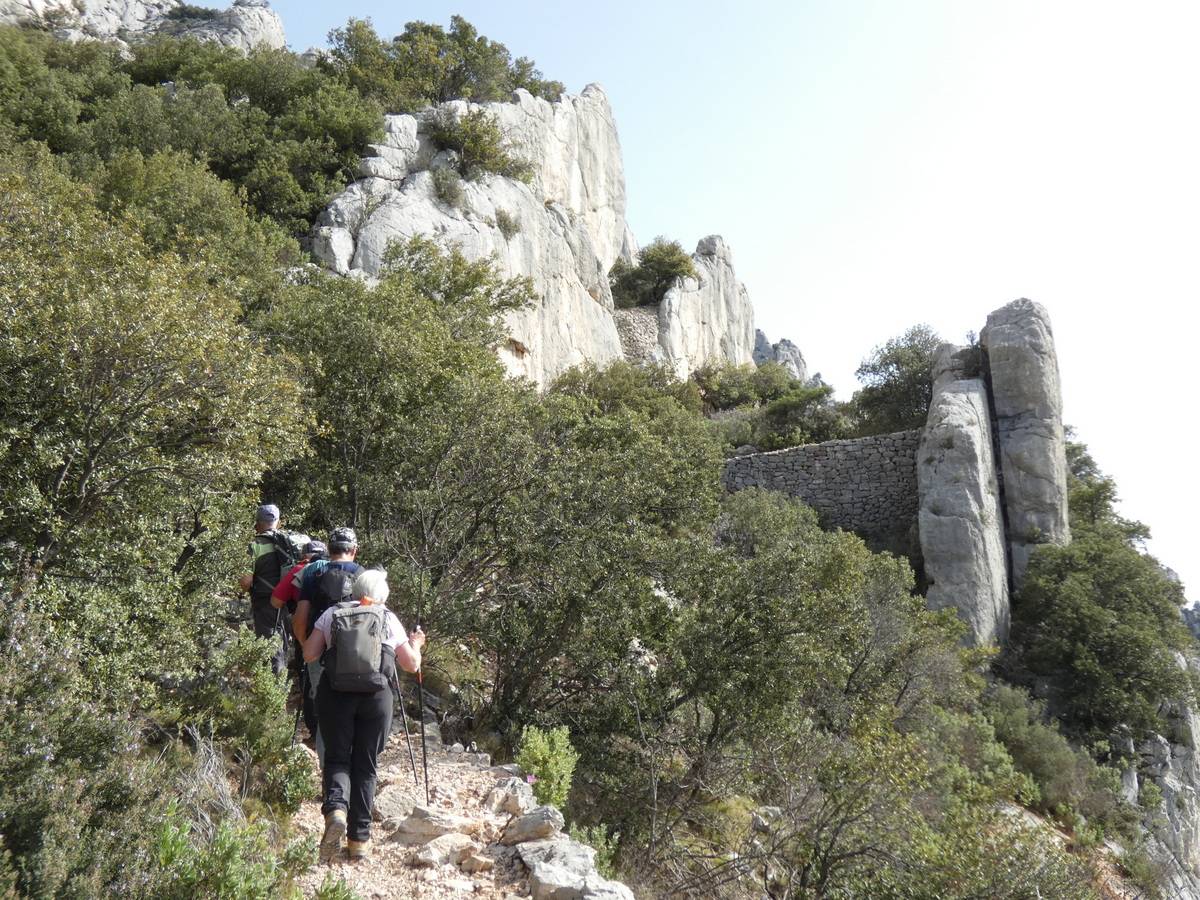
<point x="479" y="143"/>
<point x="1070" y="784"/>
<point x="507" y="223"/>
<point x="237" y="861"/>
<point x="335" y="889"/>
<point x="448" y="186"/>
<point x="549" y="757"/>
<point x="660" y="264"/>
<point x="241" y="700"/>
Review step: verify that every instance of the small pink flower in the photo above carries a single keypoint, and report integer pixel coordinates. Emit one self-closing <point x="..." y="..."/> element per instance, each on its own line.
<point x="531" y="779"/>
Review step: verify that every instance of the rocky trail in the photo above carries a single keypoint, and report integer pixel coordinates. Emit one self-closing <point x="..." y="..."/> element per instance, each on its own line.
<point x="481" y="835"/>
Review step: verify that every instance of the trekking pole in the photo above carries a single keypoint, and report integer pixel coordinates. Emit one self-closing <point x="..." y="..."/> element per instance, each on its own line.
<point x="424" y="749"/>
<point x="300" y="705"/>
<point x="407" y="737"/>
<point x="421" y="705"/>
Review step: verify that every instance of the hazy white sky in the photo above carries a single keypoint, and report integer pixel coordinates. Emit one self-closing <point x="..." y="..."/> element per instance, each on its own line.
<point x="878" y="164"/>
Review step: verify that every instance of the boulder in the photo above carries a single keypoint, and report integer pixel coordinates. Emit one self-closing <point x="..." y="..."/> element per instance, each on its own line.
<point x="1027" y="403"/>
<point x="566" y="870"/>
<point x="425" y="823"/>
<point x="446" y="849"/>
<point x="513" y="796"/>
<point x="960" y="521"/>
<point x="393" y="803"/>
<point x="539" y="823"/>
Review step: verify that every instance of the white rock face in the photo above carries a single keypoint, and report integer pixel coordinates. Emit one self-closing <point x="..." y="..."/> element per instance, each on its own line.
<point x="709" y="317"/>
<point x="1028" y="406"/>
<point x="571" y="228"/>
<point x="245" y="25"/>
<point x="783" y="352"/>
<point x="1171" y="762"/>
<point x="961" y="524"/>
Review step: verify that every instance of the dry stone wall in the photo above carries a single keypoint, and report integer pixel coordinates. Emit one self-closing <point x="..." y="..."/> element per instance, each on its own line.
<point x="868" y="485"/>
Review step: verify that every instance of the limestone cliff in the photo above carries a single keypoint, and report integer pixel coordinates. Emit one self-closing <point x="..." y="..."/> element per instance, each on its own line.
<point x="245" y="25"/>
<point x="564" y="229"/>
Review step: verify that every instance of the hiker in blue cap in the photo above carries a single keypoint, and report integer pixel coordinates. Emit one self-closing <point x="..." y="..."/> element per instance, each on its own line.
<point x="272" y="552"/>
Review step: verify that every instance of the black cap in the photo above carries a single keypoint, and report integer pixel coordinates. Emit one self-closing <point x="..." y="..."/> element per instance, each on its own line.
<point x="315" y="548"/>
<point x="342" y="539"/>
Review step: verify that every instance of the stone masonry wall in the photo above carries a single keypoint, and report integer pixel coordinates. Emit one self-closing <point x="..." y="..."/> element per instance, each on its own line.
<point x="868" y="485"/>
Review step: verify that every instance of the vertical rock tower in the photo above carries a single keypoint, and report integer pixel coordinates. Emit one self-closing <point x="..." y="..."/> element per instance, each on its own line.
<point x="960" y="520"/>
<point x="1027" y="405"/>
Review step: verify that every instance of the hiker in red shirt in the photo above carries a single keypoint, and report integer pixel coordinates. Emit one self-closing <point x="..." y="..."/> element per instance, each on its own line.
<point x="287" y="592"/>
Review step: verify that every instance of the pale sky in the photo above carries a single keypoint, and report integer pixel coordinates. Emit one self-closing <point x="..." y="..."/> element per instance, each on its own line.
<point x="878" y="164"/>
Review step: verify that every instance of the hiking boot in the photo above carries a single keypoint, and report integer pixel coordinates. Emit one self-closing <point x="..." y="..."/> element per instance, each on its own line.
<point x="335" y="830"/>
<point x="358" y="849"/>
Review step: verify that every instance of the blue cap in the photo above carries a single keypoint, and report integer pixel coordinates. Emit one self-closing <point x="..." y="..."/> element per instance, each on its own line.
<point x="268" y="512"/>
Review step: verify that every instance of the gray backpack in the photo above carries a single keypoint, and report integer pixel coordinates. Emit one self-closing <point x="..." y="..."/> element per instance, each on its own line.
<point x="357" y="661"/>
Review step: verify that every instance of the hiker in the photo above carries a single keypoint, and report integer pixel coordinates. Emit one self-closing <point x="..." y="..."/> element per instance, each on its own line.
<point x="286" y="596"/>
<point x="323" y="583"/>
<point x="326" y="582"/>
<point x="360" y="643"/>
<point x="272" y="553"/>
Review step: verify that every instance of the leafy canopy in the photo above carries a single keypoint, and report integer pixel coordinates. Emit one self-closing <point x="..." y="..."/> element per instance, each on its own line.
<point x="428" y="64"/>
<point x="660" y="263"/>
<point x="897" y="381"/>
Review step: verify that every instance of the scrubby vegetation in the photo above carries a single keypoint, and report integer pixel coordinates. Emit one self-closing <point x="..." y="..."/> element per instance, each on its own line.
<point x="428" y="64"/>
<point x="659" y="264"/>
<point x="756" y="705"/>
<point x="766" y="408"/>
<point x="478" y="145"/>
<point x="1098" y="620"/>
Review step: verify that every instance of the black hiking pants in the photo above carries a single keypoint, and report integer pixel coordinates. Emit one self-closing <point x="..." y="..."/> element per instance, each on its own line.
<point x="355" y="728"/>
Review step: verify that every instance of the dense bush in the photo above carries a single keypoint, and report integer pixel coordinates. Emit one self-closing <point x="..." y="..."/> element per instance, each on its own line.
<point x="1098" y="620"/>
<point x="1068" y="780"/>
<point x="549" y="757"/>
<point x="897" y="381"/>
<point x="288" y="136"/>
<point x="660" y="263"/>
<point x="133" y="391"/>
<point x="478" y="144"/>
<point x="428" y="64"/>
<point x="765" y="407"/>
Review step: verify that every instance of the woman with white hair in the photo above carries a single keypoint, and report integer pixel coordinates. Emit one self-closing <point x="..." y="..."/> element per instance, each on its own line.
<point x="359" y="643"/>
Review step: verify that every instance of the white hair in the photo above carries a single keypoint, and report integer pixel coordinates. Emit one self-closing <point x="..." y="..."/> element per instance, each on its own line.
<point x="371" y="583"/>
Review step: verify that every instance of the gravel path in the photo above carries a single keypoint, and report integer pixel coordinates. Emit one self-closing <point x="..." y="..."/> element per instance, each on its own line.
<point x="458" y="783"/>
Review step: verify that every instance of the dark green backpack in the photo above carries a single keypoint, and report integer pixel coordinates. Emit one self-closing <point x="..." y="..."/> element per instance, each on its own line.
<point x="357" y="661"/>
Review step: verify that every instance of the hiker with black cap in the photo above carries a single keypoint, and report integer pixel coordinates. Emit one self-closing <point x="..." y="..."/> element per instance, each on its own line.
<point x="323" y="583"/>
<point x="273" y="553"/>
<point x="360" y="642"/>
